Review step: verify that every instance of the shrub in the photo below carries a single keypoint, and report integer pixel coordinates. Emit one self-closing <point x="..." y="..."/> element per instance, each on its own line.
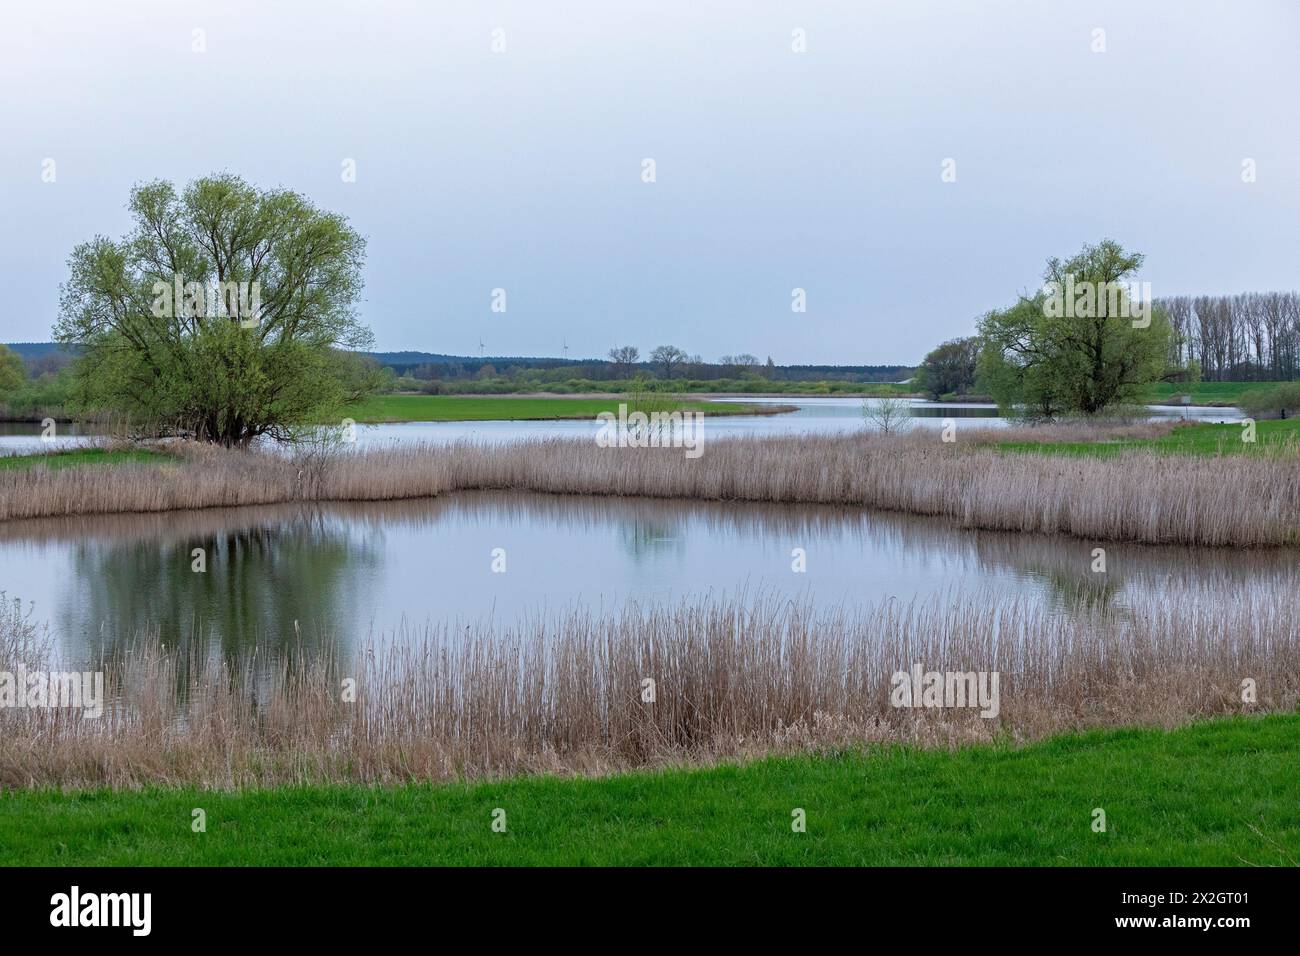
<point x="1281" y="401"/>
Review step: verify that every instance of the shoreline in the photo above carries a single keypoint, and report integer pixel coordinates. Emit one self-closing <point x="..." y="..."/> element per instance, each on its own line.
<point x="722" y="410"/>
<point x="976" y="400"/>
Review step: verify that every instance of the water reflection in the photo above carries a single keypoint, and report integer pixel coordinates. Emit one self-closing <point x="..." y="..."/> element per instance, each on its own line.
<point x="281" y="577"/>
<point x="342" y="572"/>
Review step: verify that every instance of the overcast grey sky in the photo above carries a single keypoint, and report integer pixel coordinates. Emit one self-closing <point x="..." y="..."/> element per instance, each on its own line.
<point x="775" y="170"/>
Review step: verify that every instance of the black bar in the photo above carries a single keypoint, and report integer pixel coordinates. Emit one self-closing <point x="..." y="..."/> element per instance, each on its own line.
<point x="331" y="905"/>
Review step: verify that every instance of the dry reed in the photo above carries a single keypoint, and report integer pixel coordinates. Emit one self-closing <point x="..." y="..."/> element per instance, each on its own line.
<point x="734" y="678"/>
<point x="1242" y="501"/>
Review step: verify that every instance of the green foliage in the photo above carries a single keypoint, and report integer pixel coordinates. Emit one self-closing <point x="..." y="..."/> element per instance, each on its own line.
<point x="37" y="397"/>
<point x="13" y="372"/>
<point x="949" y="369"/>
<point x="1079" y="345"/>
<point x="227" y="314"/>
<point x="1013" y="367"/>
<point x="1281" y="400"/>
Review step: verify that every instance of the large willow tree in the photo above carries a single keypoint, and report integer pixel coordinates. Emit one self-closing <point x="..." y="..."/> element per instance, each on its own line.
<point x="1080" y="345"/>
<point x="227" y="313"/>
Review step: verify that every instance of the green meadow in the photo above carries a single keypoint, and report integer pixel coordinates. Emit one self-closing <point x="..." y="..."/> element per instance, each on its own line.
<point x="79" y="457"/>
<point x="454" y="408"/>
<point x="1192" y="439"/>
<point x="1205" y="393"/>
<point x="1223" y="792"/>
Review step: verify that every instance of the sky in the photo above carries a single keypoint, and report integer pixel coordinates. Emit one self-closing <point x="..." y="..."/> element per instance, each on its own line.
<point x="913" y="166"/>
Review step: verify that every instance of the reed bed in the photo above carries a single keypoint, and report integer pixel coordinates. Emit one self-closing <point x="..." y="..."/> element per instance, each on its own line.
<point x="565" y="693"/>
<point x="1238" y="500"/>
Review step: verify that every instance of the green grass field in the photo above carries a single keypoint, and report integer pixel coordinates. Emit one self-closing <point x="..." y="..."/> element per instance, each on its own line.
<point x="1205" y="393"/>
<point x="455" y="408"/>
<point x="78" y="457"/>
<point x="1194" y="439"/>
<point x="1221" y="792"/>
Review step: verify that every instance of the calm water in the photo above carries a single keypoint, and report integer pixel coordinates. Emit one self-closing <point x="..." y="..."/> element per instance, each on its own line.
<point x="344" y="572"/>
<point x="813" y="415"/>
<point x="21" y="437"/>
<point x="820" y="415"/>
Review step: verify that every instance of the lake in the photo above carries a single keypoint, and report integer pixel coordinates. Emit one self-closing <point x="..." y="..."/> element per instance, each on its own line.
<point x="815" y="415"/>
<point x="346" y="571"/>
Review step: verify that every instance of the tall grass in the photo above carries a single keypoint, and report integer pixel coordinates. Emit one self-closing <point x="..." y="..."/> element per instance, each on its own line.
<point x="1134" y="495"/>
<point x="565" y="692"/>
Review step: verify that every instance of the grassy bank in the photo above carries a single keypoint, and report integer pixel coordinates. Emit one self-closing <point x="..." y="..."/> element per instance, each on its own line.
<point x="1204" y="393"/>
<point x="79" y="457"/>
<point x="453" y="408"/>
<point x="1192" y="439"/>
<point x="1218" y="793"/>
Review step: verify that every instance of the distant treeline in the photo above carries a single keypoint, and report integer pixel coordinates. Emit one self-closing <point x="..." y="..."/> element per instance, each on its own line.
<point x="429" y="367"/>
<point x="48" y="387"/>
<point x="1251" y="337"/>
<point x="462" y="368"/>
<point x="42" y="357"/>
